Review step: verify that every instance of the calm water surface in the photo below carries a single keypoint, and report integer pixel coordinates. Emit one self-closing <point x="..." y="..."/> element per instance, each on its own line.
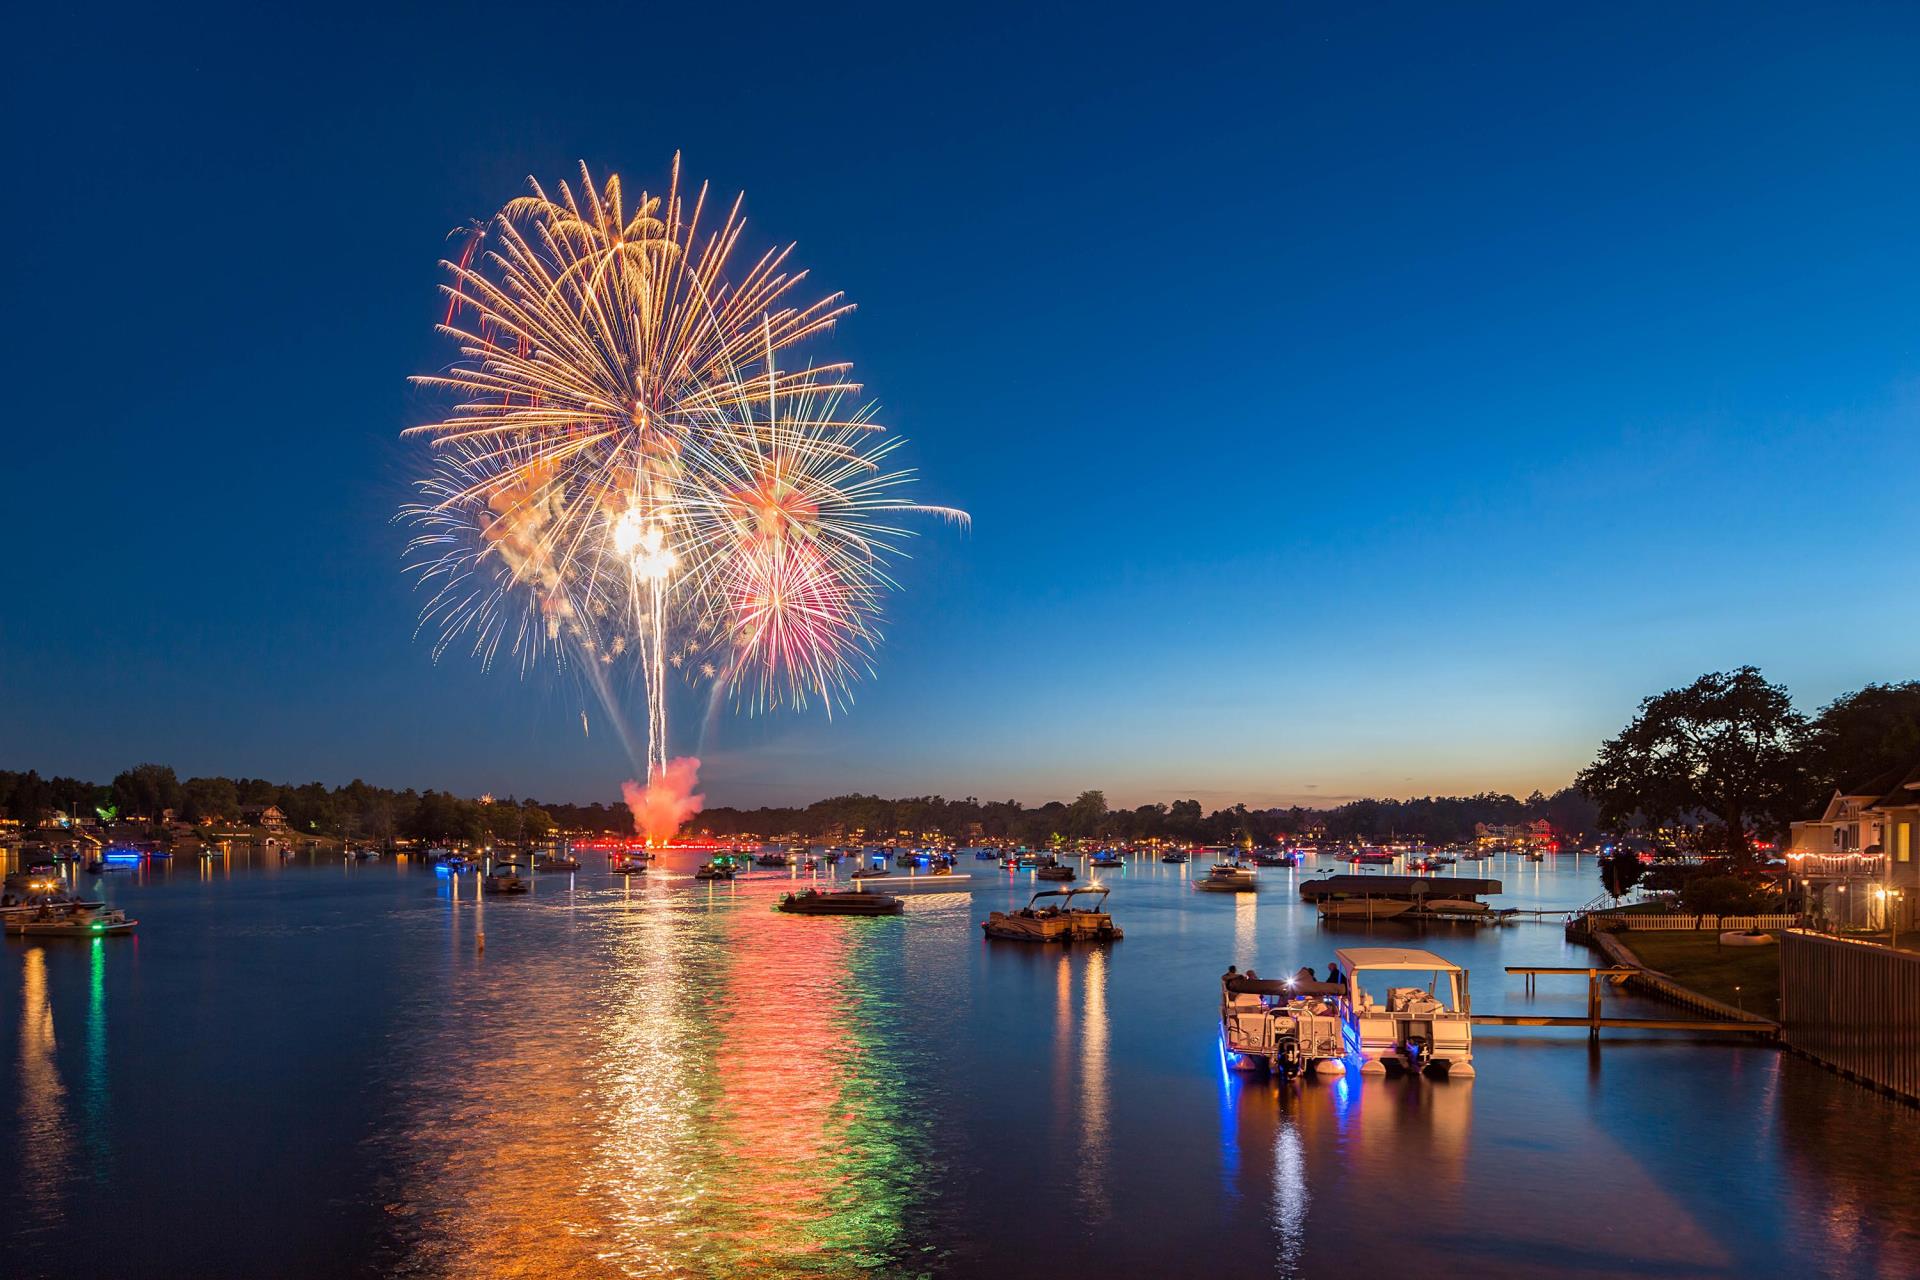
<point x="311" y="1069"/>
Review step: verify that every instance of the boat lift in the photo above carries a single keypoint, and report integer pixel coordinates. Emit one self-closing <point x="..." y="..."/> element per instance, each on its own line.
<point x="1594" y="1021"/>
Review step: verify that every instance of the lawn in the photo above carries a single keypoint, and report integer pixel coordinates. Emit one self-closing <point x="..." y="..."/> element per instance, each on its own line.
<point x="1695" y="958"/>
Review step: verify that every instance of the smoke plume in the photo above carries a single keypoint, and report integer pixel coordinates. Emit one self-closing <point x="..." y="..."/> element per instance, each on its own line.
<point x="667" y="801"/>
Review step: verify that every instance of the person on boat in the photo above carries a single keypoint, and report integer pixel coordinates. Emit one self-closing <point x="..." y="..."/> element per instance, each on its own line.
<point x="1304" y="976"/>
<point x="1233" y="971"/>
<point x="1333" y="973"/>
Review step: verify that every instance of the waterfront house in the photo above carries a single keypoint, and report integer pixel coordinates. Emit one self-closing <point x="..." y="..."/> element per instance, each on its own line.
<point x="263" y="815"/>
<point x="1537" y="834"/>
<point x="1854" y="864"/>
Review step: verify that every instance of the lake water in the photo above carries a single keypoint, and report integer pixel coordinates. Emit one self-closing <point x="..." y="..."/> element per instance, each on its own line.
<point x="310" y="1069"/>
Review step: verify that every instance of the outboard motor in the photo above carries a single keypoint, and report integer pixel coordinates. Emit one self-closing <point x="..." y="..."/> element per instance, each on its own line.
<point x="1286" y="1053"/>
<point x="1419" y="1049"/>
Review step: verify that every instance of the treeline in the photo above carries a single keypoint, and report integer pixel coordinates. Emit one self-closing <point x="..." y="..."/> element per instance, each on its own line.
<point x="356" y="811"/>
<point x="1436" y="818"/>
<point x="144" y="793"/>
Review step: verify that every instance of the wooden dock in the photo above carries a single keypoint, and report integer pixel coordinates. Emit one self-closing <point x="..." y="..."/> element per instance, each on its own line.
<point x="1594" y="1020"/>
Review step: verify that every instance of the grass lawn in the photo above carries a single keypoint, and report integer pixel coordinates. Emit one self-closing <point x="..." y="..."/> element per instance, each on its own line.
<point x="1695" y="958"/>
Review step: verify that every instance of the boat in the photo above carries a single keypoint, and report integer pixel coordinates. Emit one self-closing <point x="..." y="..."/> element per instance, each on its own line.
<point x="1414" y="1029"/>
<point x="770" y="858"/>
<point x="629" y="866"/>
<point x="1285" y="1026"/>
<point x="1461" y="906"/>
<point x="985" y="855"/>
<point x="1364" y="908"/>
<point x="868" y="873"/>
<point x="1371" y="857"/>
<point x="940" y="867"/>
<point x="715" y="870"/>
<point x="74" y="922"/>
<point x="1048" y="922"/>
<point x="1173" y="855"/>
<point x="1276" y="858"/>
<point x="40" y="888"/>
<point x="1423" y="864"/>
<point x="1228" y="877"/>
<point x="505" y="878"/>
<point x="844" y="902"/>
<point x="1053" y="871"/>
<point x="1106" y="858"/>
<point x="556" y="862"/>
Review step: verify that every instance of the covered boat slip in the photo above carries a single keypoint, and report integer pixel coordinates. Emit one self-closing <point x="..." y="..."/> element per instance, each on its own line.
<point x="1413" y="888"/>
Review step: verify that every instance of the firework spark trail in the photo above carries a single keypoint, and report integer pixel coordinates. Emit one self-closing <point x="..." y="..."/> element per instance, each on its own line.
<point x="626" y="473"/>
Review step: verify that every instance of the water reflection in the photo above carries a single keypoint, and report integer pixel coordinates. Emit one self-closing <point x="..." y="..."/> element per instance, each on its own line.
<point x="719" y="1093"/>
<point x="46" y="1133"/>
<point x="1094" y="1100"/>
<point x="1245" y="946"/>
<point x="1290" y="1196"/>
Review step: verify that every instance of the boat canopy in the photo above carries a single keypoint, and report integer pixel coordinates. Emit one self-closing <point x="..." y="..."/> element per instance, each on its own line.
<point x="1282" y="987"/>
<point x="1359" y="959"/>
<point x="1100" y="889"/>
<point x="1400" y="887"/>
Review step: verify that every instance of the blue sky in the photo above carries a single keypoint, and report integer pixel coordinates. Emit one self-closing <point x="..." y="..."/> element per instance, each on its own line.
<point x="1349" y="399"/>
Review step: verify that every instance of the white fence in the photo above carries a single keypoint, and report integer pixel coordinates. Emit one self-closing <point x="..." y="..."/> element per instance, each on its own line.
<point x="1639" y="920"/>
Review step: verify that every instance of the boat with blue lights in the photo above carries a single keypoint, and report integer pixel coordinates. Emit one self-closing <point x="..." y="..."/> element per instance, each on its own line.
<point x="1287" y="1027"/>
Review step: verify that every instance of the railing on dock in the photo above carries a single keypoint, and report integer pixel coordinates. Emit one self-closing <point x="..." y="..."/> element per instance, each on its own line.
<point x="1853" y="1006"/>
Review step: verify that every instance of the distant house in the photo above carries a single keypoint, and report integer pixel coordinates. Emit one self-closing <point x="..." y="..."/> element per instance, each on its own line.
<point x="263" y="815"/>
<point x="1854" y="864"/>
<point x="1537" y="834"/>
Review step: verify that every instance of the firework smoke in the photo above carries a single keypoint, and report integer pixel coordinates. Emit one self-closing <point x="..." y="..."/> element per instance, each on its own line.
<point x="663" y="806"/>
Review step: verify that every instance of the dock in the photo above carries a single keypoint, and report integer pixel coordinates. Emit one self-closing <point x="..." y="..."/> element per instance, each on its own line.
<point x="1594" y="1020"/>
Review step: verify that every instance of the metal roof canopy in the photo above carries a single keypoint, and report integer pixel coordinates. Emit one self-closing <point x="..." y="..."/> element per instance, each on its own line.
<point x="1357" y="959"/>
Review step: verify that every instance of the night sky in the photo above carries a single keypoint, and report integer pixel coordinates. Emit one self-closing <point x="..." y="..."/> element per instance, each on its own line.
<point x="1348" y="398"/>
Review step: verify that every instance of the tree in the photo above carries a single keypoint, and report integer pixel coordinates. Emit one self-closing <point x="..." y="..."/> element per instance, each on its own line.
<point x="1866" y="733"/>
<point x="146" y="790"/>
<point x="1086" y="813"/>
<point x="1728" y="744"/>
<point x="214" y="798"/>
<point x="1620" y="871"/>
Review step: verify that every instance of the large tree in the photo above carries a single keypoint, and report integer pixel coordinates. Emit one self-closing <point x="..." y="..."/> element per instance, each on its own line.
<point x="1728" y="744"/>
<point x="1868" y="732"/>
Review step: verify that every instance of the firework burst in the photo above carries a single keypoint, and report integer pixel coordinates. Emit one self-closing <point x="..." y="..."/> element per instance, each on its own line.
<point x="626" y="472"/>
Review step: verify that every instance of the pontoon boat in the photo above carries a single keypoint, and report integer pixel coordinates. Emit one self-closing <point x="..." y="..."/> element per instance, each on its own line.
<point x="1038" y="922"/>
<point x="845" y="902"/>
<point x="505" y="878"/>
<point x="77" y="922"/>
<point x="1409" y="1027"/>
<point x="1285" y="1026"/>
